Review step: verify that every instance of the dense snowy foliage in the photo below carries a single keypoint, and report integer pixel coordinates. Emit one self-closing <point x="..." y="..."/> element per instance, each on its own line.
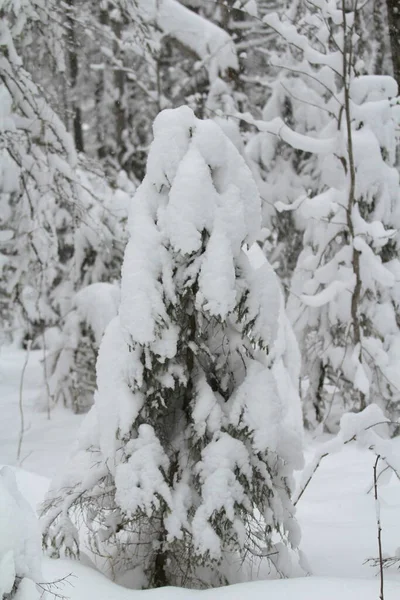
<point x="343" y="300"/>
<point x="59" y="228"/>
<point x="329" y="281"/>
<point x="283" y="173"/>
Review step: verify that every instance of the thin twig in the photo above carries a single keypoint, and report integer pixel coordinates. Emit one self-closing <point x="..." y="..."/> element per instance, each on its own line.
<point x="378" y="523"/>
<point x="305" y="486"/>
<point x="46" y="380"/>
<point x="21" y="406"/>
<point x="53" y="587"/>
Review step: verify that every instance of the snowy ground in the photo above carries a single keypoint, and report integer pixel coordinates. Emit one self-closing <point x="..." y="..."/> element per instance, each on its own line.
<point x="336" y="513"/>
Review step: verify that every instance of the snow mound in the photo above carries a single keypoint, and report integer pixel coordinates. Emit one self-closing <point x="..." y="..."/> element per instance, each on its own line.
<point x="92" y="584"/>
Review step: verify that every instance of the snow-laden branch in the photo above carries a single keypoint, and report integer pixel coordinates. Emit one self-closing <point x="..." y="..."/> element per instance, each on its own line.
<point x="327" y="295"/>
<point x="297" y="140"/>
<point x="211" y="43"/>
<point x="357" y="427"/>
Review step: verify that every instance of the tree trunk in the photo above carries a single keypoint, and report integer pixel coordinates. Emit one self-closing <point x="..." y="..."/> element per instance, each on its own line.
<point x="74" y="72"/>
<point x="160" y="577"/>
<point x="351" y="169"/>
<point x="379" y="20"/>
<point x="393" y="8"/>
<point x="99" y="98"/>
<point x="119" y="81"/>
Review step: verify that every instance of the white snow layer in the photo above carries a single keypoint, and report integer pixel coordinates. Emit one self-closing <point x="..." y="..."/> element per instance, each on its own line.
<point x="92" y="584"/>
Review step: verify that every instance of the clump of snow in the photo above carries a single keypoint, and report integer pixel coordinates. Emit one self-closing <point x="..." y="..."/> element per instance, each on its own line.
<point x="221" y="491"/>
<point x="140" y="480"/>
<point x="369" y="88"/>
<point x="97" y="304"/>
<point x="20" y="540"/>
<point x="352" y="425"/>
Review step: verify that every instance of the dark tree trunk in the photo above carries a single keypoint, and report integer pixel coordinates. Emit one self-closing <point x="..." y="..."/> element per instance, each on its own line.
<point x="74" y="72"/>
<point x="119" y="103"/>
<point x="160" y="577"/>
<point x="319" y="396"/>
<point x="379" y="20"/>
<point x="393" y="8"/>
<point x="99" y="99"/>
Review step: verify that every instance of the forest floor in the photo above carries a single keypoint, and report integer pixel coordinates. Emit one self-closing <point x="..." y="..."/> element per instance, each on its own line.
<point x="336" y="512"/>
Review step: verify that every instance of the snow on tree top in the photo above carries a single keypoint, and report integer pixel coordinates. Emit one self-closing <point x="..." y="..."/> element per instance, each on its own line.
<point x="196" y="184"/>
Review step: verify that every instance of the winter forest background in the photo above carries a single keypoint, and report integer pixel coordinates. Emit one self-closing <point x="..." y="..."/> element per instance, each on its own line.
<point x="199" y="298"/>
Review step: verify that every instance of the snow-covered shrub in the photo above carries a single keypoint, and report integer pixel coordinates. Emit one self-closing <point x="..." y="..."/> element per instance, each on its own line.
<point x="283" y="174"/>
<point x="185" y="462"/>
<point x="20" y="542"/>
<point x="344" y="299"/>
<point x="72" y="359"/>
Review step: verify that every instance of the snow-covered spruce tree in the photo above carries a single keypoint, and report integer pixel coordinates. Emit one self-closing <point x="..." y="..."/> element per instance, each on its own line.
<point x="185" y="464"/>
<point x="20" y="548"/>
<point x="345" y="295"/>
